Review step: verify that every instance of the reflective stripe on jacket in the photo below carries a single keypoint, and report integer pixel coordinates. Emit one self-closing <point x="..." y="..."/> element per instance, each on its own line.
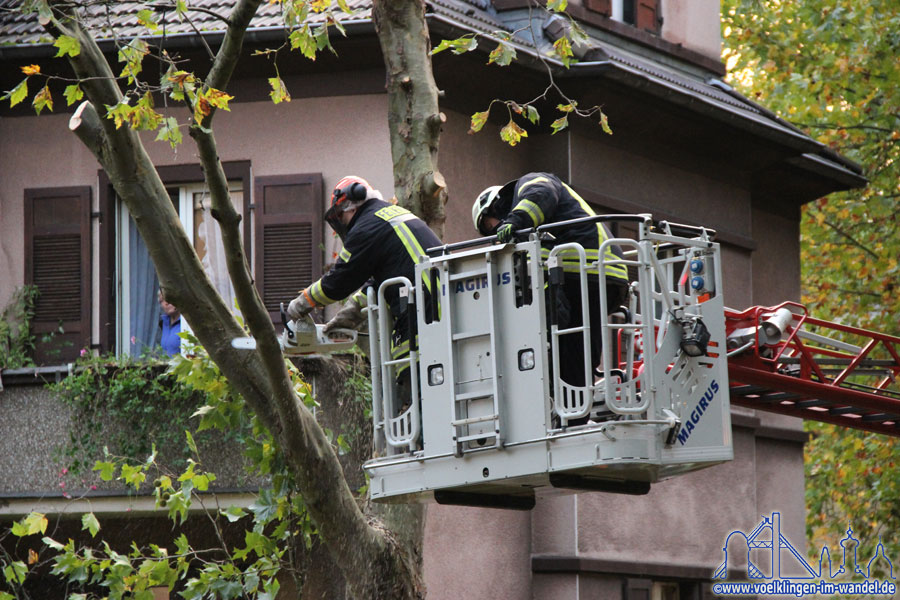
<point x="383" y="241"/>
<point x="541" y="198"/>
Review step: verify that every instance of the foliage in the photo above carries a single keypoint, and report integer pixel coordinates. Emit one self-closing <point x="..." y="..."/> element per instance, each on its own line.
<point x="504" y="53"/>
<point x="137" y="107"/>
<point x="16" y="340"/>
<point x="126" y="405"/>
<point x="831" y="69"/>
<point x="276" y="532"/>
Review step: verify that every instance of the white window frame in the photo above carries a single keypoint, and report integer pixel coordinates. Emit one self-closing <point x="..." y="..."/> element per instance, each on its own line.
<point x="122" y="282"/>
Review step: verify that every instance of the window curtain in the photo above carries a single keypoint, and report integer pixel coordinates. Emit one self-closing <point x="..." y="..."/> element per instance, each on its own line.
<point x="144" y="289"/>
<point x="210" y="248"/>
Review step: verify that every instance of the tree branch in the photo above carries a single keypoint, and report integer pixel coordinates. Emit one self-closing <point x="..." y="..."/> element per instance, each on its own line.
<point x="852" y="239"/>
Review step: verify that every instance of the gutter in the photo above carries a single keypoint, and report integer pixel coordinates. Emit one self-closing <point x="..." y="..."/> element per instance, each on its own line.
<point x="765" y="126"/>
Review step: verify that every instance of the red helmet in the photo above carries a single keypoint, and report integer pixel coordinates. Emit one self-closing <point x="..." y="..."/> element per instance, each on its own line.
<point x="349" y="192"/>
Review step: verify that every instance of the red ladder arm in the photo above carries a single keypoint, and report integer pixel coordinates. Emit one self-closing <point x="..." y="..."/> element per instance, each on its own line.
<point x="818" y="370"/>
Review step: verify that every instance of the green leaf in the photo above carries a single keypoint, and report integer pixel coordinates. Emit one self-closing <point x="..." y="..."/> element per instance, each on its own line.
<point x="133" y="56"/>
<point x="461" y="45"/>
<point x="133" y="476"/>
<point x="303" y="40"/>
<point x="559" y="124"/>
<point x="8" y="596"/>
<point x="557" y="5"/>
<point x="30" y="525"/>
<point x="147" y="18"/>
<point x="512" y="133"/>
<point x="73" y="94"/>
<point x="604" y="123"/>
<point x="107" y="469"/>
<point x="563" y="50"/>
<point x="532" y="114"/>
<point x="170" y="132"/>
<point x="51" y="543"/>
<point x="279" y="93"/>
<point x="191" y="443"/>
<point x="15" y="573"/>
<point x="478" y="121"/>
<point x="68" y="46"/>
<point x="18" y="93"/>
<point x="233" y="513"/>
<point x="90" y="522"/>
<point x="502" y="55"/>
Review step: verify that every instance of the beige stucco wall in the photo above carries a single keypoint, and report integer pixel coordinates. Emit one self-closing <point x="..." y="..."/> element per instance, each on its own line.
<point x="477" y="553"/>
<point x="334" y="136"/>
<point x="694" y="24"/>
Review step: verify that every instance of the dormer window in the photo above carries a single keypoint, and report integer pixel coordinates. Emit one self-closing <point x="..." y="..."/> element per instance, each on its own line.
<point x="642" y="14"/>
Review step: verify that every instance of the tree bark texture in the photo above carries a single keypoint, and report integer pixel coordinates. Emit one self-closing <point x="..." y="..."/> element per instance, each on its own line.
<point x="371" y="560"/>
<point x="414" y="117"/>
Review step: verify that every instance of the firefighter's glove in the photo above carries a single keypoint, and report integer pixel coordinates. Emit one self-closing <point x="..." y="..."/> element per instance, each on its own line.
<point x="505" y="232"/>
<point x="300" y="306"/>
<point x="349" y="317"/>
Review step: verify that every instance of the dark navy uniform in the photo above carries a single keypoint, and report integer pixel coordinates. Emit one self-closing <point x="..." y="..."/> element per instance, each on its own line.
<point x="540" y="199"/>
<point x="383" y="241"/>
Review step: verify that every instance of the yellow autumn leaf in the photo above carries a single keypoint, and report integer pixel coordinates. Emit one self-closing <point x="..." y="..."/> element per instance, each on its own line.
<point x="31" y="69"/>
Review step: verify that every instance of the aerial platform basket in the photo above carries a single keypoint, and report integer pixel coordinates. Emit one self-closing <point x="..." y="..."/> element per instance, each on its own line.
<point x="488" y="424"/>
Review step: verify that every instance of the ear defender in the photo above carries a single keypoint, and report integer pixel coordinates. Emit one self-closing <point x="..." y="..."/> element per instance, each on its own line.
<point x="356" y="192"/>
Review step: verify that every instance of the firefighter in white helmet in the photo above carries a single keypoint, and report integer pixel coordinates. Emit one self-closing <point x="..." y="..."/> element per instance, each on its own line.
<point x="537" y="199"/>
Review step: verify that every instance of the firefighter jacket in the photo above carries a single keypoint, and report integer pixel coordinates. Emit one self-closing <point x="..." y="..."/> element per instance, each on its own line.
<point x="541" y="198"/>
<point x="383" y="241"/>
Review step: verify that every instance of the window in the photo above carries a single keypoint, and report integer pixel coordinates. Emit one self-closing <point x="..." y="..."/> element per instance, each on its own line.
<point x="642" y="14"/>
<point x="137" y="285"/>
<point x="58" y="262"/>
<point x="283" y="224"/>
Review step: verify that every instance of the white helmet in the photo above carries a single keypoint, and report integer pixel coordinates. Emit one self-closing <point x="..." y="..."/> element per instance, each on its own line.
<point x="483" y="204"/>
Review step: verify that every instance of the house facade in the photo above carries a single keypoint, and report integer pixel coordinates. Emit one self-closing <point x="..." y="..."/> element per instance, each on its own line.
<point x="684" y="147"/>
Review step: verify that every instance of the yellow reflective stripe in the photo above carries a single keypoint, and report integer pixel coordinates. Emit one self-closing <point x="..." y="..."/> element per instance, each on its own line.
<point x="413" y="247"/>
<point x="532" y="210"/>
<point x="389" y="212"/>
<point x="618" y="271"/>
<point x="571" y="263"/>
<point x="403" y="348"/>
<point x="318" y="295"/>
<point x="535" y="180"/>
<point x="344" y="255"/>
<point x="360" y="298"/>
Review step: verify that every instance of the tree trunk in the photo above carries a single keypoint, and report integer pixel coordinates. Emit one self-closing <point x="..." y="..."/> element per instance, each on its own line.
<point x="372" y="562"/>
<point x="414" y="117"/>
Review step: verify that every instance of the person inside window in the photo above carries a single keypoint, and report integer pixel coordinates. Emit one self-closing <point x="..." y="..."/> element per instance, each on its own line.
<point x="170" y="327"/>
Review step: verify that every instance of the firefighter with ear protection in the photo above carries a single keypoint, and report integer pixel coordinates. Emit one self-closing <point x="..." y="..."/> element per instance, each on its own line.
<point x="381" y="241"/>
<point x="537" y="199"/>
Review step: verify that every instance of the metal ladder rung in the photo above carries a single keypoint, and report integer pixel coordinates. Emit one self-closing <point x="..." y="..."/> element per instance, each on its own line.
<point x="477" y="436"/>
<point x="467" y="274"/>
<point x="472" y="420"/>
<point x="398" y="361"/>
<point x="465" y="335"/>
<point x="473" y="395"/>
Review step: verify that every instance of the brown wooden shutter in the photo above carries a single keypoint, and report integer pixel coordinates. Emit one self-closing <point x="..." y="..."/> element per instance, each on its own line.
<point x="58" y="262"/>
<point x="647" y="17"/>
<point x="604" y="7"/>
<point x="288" y="236"/>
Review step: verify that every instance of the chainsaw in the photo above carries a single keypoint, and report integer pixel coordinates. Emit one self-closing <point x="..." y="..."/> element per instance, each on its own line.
<point x="305" y="337"/>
